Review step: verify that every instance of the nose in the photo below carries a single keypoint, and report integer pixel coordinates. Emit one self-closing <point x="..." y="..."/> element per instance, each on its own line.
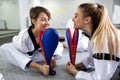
<point x="73" y="19"/>
<point x="48" y="22"/>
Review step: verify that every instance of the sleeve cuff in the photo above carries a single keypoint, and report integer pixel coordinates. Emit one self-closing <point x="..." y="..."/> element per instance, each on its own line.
<point x="83" y="76"/>
<point x="85" y="61"/>
<point x="27" y="67"/>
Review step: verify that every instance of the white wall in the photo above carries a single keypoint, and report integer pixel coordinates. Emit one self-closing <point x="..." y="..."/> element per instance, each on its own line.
<point x="16" y="12"/>
<point x="61" y="10"/>
<point x="116" y="14"/>
<point x="24" y="7"/>
<point x="23" y="12"/>
<point x="9" y="12"/>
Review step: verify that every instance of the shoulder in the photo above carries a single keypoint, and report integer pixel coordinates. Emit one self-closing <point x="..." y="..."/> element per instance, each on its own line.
<point x="23" y="34"/>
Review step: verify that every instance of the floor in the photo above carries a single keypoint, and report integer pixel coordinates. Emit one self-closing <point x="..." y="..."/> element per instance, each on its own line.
<point x="6" y="35"/>
<point x="12" y="72"/>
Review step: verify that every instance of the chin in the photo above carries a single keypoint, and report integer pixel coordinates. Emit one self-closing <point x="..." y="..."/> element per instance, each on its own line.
<point x="75" y="28"/>
<point x="43" y="29"/>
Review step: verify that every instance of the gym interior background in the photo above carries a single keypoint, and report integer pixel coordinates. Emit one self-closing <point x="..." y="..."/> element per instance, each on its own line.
<point x="14" y="16"/>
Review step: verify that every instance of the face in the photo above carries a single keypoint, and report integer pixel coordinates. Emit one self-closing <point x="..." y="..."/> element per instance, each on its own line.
<point x="78" y="19"/>
<point x="42" y="22"/>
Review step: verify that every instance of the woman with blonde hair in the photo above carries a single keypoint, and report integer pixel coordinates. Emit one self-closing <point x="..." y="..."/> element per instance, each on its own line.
<point x="104" y="45"/>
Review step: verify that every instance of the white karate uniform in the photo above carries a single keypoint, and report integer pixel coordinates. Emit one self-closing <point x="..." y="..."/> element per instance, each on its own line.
<point x="83" y="40"/>
<point x="1" y="77"/>
<point x="104" y="69"/>
<point x="16" y="51"/>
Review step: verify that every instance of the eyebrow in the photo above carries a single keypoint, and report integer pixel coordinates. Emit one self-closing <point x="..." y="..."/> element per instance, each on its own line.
<point x="42" y="17"/>
<point x="76" y="13"/>
<point x="45" y="18"/>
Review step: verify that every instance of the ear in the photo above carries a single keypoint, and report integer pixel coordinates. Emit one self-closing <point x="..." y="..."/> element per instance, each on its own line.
<point x="33" y="21"/>
<point x="87" y="19"/>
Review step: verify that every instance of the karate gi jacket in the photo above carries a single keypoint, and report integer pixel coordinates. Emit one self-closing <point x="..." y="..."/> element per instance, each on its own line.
<point x="24" y="48"/>
<point x="104" y="66"/>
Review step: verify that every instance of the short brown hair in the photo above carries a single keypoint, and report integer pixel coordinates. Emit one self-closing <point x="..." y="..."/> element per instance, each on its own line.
<point x="35" y="11"/>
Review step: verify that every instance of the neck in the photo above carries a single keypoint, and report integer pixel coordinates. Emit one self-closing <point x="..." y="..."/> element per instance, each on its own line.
<point x="88" y="31"/>
<point x="35" y="33"/>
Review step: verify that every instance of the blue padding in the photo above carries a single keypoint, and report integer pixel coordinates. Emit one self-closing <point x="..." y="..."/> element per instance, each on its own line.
<point x="68" y="34"/>
<point x="50" y="40"/>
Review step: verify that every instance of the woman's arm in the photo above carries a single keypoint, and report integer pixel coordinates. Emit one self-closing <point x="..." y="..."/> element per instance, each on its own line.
<point x="44" y="69"/>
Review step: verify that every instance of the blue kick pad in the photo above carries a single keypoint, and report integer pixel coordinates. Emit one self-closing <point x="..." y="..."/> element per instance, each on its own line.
<point x="72" y="43"/>
<point x="49" y="41"/>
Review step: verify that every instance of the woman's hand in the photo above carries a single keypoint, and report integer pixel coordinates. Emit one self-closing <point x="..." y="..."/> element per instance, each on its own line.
<point x="45" y="69"/>
<point x="71" y="69"/>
